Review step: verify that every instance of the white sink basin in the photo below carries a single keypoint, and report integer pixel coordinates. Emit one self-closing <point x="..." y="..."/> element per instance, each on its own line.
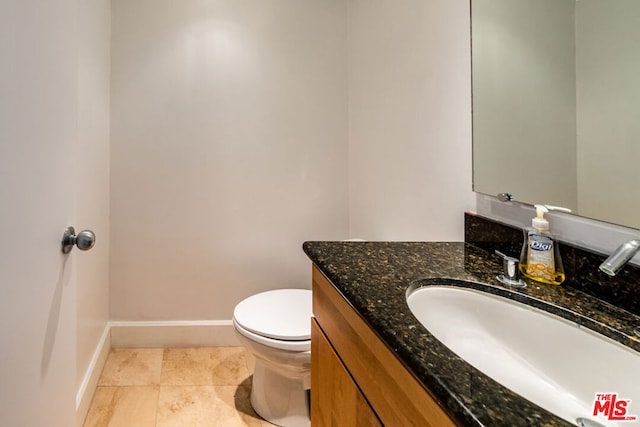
<point x="554" y="363"/>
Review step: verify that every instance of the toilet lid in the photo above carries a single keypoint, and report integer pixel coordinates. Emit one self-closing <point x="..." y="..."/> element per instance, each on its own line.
<point x="283" y="314"/>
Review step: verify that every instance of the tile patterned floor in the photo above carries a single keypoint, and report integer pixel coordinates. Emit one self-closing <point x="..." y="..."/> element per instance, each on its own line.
<point x="194" y="387"/>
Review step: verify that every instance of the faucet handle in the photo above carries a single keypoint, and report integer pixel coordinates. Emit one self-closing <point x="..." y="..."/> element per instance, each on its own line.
<point x="510" y="265"/>
<point x="510" y="268"/>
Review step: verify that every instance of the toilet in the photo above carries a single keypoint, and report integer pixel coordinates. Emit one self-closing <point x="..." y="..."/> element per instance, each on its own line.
<point x="276" y="327"/>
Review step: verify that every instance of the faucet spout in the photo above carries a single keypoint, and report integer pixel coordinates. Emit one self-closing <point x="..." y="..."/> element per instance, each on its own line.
<point x="620" y="257"/>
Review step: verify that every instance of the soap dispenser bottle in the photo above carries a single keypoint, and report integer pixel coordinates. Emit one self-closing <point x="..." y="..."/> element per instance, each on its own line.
<point x="540" y="259"/>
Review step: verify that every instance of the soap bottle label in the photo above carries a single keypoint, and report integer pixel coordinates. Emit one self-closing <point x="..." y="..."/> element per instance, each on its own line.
<point x="540" y="262"/>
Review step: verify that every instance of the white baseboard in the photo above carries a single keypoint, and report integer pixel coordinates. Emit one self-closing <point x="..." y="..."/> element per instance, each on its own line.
<point x="161" y="334"/>
<point x="91" y="376"/>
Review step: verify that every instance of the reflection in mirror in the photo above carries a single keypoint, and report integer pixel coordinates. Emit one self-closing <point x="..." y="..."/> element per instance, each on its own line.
<point x="556" y="104"/>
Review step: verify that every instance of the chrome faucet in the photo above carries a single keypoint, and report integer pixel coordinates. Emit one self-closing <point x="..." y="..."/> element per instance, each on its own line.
<point x="620" y="257"/>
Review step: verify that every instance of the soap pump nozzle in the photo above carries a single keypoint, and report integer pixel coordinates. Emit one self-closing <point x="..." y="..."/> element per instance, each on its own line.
<point x="539" y="222"/>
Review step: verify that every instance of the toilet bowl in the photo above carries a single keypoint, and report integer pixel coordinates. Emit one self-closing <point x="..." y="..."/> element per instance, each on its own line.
<point x="276" y="327"/>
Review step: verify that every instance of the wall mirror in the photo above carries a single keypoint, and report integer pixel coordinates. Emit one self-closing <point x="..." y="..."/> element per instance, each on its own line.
<point x="556" y="104"/>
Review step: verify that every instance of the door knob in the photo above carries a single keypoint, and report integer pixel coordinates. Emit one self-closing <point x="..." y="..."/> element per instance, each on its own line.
<point x="85" y="240"/>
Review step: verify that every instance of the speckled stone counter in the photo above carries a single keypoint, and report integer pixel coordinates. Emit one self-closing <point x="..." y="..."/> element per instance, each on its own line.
<point x="374" y="277"/>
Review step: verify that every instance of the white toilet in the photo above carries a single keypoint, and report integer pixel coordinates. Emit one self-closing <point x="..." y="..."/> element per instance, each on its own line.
<point x="276" y="327"/>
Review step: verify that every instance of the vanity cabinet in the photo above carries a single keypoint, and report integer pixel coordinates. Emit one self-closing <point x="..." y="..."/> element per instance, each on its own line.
<point x="356" y="380"/>
<point x="338" y="400"/>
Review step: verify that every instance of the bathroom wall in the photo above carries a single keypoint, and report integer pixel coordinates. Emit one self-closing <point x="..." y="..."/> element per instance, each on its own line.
<point x="228" y="150"/>
<point x="409" y="119"/>
<point x="92" y="178"/>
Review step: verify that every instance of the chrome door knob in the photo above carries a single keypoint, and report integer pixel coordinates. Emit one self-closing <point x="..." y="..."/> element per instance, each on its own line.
<point x="85" y="240"/>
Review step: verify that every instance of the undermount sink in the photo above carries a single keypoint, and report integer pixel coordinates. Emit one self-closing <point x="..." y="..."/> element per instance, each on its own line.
<point x="556" y="364"/>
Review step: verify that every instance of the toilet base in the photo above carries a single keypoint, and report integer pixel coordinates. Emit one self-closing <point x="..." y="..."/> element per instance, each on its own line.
<point x="278" y="399"/>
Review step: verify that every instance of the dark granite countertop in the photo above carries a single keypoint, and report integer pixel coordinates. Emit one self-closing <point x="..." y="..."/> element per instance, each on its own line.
<point x="374" y="277"/>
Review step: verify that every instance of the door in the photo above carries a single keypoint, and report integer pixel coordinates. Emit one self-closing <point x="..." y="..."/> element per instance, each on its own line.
<point x="38" y="103"/>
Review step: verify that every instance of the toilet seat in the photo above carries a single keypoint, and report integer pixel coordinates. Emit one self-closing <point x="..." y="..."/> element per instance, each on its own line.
<point x="295" y="346"/>
<point x="282" y="315"/>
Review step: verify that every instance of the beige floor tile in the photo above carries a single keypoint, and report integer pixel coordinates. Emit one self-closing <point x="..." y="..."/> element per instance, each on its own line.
<point x="210" y="404"/>
<point x="205" y="406"/>
<point x="126" y="367"/>
<point x="134" y="406"/>
<point x="205" y="366"/>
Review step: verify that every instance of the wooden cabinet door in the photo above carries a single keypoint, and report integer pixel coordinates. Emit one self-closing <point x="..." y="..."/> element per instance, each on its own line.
<point x="336" y="400"/>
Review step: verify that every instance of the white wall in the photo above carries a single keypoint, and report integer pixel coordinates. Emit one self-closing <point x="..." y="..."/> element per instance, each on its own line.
<point x="409" y="119"/>
<point x="229" y="149"/>
<point x="92" y="177"/>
